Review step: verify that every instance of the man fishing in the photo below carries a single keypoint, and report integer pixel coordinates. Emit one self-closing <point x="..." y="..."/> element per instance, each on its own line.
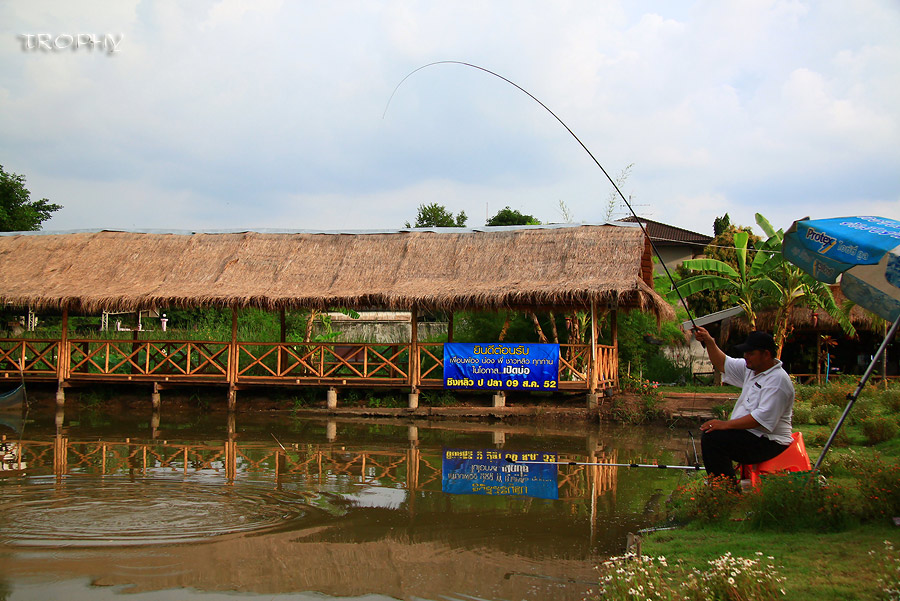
<point x="760" y="424"/>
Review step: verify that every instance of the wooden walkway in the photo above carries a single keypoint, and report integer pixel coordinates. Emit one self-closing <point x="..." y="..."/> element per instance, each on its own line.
<point x="79" y="361"/>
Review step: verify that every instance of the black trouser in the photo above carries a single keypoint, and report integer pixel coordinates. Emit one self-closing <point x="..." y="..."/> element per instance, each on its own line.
<point x="722" y="447"/>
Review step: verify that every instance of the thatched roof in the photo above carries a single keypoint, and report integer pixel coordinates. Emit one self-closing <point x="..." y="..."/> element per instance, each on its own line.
<point x="494" y="268"/>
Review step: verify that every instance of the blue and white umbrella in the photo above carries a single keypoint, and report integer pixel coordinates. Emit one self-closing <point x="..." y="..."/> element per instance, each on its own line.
<point x="864" y="254"/>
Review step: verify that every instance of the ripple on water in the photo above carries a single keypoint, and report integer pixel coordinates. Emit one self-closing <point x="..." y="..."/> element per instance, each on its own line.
<point x="110" y="511"/>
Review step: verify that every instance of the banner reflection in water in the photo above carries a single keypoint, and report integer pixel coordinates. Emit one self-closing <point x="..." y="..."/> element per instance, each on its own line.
<point x="494" y="472"/>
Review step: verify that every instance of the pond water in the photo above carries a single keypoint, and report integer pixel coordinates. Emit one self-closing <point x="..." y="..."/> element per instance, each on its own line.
<point x="210" y="506"/>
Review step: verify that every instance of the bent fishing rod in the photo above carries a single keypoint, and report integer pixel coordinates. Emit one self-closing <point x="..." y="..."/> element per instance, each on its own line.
<point x="577" y="139"/>
<point x="660" y="466"/>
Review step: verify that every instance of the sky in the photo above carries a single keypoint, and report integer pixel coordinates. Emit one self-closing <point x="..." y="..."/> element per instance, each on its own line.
<point x="231" y="114"/>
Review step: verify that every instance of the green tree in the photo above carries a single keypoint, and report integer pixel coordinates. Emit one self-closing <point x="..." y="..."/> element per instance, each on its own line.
<point x="721" y="224"/>
<point x="18" y="213"/>
<point x="507" y="216"/>
<point x="793" y="287"/>
<point x="437" y="215"/>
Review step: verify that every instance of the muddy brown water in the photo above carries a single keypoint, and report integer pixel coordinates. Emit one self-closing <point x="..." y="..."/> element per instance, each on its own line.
<point x="193" y="505"/>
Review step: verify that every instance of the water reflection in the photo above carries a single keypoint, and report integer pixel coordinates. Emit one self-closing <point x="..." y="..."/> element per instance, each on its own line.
<point x="270" y="505"/>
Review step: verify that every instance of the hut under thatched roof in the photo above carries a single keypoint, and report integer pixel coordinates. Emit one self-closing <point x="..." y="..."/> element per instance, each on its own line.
<point x="440" y="269"/>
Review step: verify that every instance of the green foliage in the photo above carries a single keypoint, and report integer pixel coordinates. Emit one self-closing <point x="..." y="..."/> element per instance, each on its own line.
<point x="820" y="437"/>
<point x="721" y="248"/>
<point x="18" y="213"/>
<point x="879" y="428"/>
<point x="437" y="398"/>
<point x="890" y="400"/>
<point x="389" y="400"/>
<point x="721" y="224"/>
<point x="723" y="411"/>
<point x="879" y="488"/>
<point x="486" y="327"/>
<point x="640" y="347"/>
<point x="437" y="215"/>
<point x="704" y="500"/>
<point x="802" y="414"/>
<point x="507" y="216"/>
<point x="825" y="415"/>
<point x="863" y="408"/>
<point x="833" y="393"/>
<point x="794" y="287"/>
<point x="745" y="281"/>
<point x="791" y="502"/>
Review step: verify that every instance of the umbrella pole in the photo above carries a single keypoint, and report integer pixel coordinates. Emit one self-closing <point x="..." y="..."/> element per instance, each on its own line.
<point x="855" y="394"/>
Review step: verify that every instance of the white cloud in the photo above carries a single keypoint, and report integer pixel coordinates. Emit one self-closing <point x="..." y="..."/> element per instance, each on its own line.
<point x="230" y="113"/>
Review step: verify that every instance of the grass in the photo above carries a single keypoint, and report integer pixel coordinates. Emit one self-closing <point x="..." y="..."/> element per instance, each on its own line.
<point x="816" y="566"/>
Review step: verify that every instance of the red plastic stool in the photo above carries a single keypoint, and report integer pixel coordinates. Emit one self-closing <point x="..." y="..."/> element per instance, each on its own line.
<point x="792" y="459"/>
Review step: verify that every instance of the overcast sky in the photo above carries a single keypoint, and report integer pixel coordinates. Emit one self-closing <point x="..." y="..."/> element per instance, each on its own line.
<point x="268" y="114"/>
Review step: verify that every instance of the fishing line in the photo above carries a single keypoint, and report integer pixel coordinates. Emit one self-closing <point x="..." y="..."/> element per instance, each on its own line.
<point x="653" y="465"/>
<point x="577" y="139"/>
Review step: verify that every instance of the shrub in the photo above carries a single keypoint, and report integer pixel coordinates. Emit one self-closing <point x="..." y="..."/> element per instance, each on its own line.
<point x="620" y="410"/>
<point x="863" y="407"/>
<point x="805" y="394"/>
<point x="841" y="439"/>
<point x="890" y="400"/>
<point x="825" y="415"/>
<point x="879" y="428"/>
<point x="879" y="485"/>
<point x="833" y="393"/>
<point x="724" y="410"/>
<point x="704" y="500"/>
<point x="799" y="501"/>
<point x="802" y="414"/>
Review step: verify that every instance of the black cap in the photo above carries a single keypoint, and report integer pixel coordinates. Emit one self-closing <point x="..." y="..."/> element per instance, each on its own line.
<point x="757" y="341"/>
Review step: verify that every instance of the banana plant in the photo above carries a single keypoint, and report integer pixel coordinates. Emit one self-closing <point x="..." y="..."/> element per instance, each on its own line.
<point x="747" y="284"/>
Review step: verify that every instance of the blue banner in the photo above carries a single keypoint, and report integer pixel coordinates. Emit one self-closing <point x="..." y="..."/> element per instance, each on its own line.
<point x="496" y="472"/>
<point x="501" y="366"/>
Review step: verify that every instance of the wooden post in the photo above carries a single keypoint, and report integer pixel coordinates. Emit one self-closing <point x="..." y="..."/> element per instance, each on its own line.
<point x="595" y="368"/>
<point x="282" y="319"/>
<point x="62" y="364"/>
<point x="614" y="327"/>
<point x="450" y="327"/>
<point x="233" y="362"/>
<point x="414" y="379"/>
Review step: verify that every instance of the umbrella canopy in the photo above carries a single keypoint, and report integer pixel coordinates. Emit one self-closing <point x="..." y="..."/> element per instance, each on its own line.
<point x="864" y="252"/>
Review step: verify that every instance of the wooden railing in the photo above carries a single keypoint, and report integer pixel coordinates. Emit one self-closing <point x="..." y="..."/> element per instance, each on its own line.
<point x="170" y="360"/>
<point x="279" y="363"/>
<point x="38" y="358"/>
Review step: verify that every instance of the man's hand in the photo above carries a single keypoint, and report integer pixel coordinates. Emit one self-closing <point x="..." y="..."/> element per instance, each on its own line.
<point x="741" y="423"/>
<point x="714" y="424"/>
<point x="702" y="335"/>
